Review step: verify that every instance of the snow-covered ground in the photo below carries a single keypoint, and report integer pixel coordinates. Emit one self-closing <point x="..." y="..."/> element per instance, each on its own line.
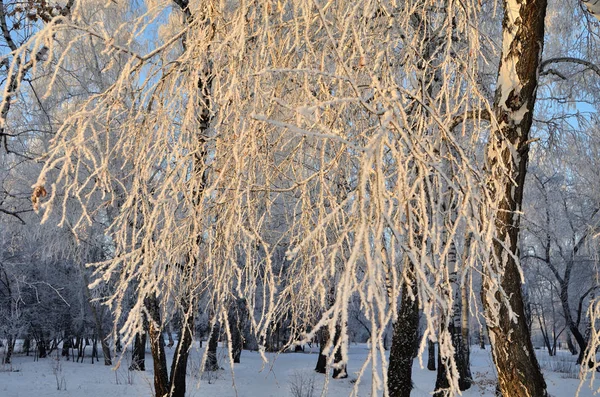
<point x="42" y="378"/>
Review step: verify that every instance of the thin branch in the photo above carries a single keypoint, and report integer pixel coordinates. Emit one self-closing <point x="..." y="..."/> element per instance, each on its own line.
<point x="478" y="114"/>
<point x="579" y="61"/>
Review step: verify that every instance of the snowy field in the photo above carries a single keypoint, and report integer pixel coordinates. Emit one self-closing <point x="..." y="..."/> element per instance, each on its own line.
<point x="43" y="378"/>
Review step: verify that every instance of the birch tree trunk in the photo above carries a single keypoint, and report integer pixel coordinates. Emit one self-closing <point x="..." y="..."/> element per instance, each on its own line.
<point x="321" y="366"/>
<point x="212" y="363"/>
<point x="523" y="36"/>
<point x="453" y="325"/>
<point x="157" y="345"/>
<point x="182" y="351"/>
<point x="404" y="339"/>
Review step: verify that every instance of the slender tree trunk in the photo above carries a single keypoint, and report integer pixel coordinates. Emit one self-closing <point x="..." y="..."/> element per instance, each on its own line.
<point x="404" y="338"/>
<point x="442" y="383"/>
<point x="212" y="363"/>
<point x="138" y="355"/>
<point x="157" y="346"/>
<point x="182" y="351"/>
<point x="322" y="360"/>
<point x="170" y="336"/>
<point x="42" y="352"/>
<point x="80" y="348"/>
<point x="237" y="344"/>
<point x="464" y="328"/>
<point x="9" y="349"/>
<point x="481" y="338"/>
<point x="339" y="371"/>
<point x="237" y="322"/>
<point x="27" y="345"/>
<point x="97" y="321"/>
<point x="430" y="355"/>
<point x="441" y="380"/>
<point x="95" y="349"/>
<point x="519" y="373"/>
<point x="564" y="300"/>
<point x="570" y="344"/>
<point x="542" y="324"/>
<point x="118" y="345"/>
<point x="67" y="342"/>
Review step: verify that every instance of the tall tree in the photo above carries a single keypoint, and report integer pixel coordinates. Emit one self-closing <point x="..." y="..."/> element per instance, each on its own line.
<point x="519" y="373"/>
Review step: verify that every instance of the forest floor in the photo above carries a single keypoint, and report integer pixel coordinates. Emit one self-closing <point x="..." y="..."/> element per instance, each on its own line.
<point x="284" y="374"/>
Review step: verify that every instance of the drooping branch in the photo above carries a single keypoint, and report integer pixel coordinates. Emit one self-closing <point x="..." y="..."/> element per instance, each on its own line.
<point x="588" y="65"/>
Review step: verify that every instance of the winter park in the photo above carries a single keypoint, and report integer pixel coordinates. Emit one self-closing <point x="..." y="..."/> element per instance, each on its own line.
<point x="299" y="198"/>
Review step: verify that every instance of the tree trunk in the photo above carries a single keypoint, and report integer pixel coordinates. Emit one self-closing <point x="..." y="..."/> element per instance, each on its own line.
<point x="322" y="360"/>
<point x="182" y="351"/>
<point x="170" y="336"/>
<point x="441" y="380"/>
<point x="27" y="345"/>
<point x="570" y="344"/>
<point x="430" y="355"/>
<point x="95" y="349"/>
<point x="452" y="323"/>
<point x="564" y="299"/>
<point x="138" y="355"/>
<point x="465" y="380"/>
<point x="237" y="322"/>
<point x="10" y="345"/>
<point x="118" y="345"/>
<point x="464" y="327"/>
<point x="404" y="338"/>
<point x="97" y="321"/>
<point x="481" y="338"/>
<point x="212" y="363"/>
<point x="519" y="374"/>
<point x="157" y="346"/>
<point x="339" y="371"/>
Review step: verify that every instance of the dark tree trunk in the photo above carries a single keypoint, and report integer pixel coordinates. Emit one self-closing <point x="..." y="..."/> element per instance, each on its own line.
<point x="67" y="343"/>
<point x="430" y="355"/>
<point x="564" y="299"/>
<point x="212" y="363"/>
<point x="519" y="373"/>
<point x="182" y="351"/>
<point x="27" y="345"/>
<point x="42" y="348"/>
<point x="465" y="379"/>
<point x="170" y="337"/>
<point x="157" y="346"/>
<point x="80" y="349"/>
<point x="138" y="355"/>
<point x="118" y="345"/>
<point x="465" y="351"/>
<point x="339" y="370"/>
<point x="481" y="338"/>
<point x="95" y="349"/>
<point x="441" y="380"/>
<point x="237" y="323"/>
<point x="570" y="345"/>
<point x="442" y="383"/>
<point x="404" y="339"/>
<point x="453" y="325"/>
<point x="322" y="360"/>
